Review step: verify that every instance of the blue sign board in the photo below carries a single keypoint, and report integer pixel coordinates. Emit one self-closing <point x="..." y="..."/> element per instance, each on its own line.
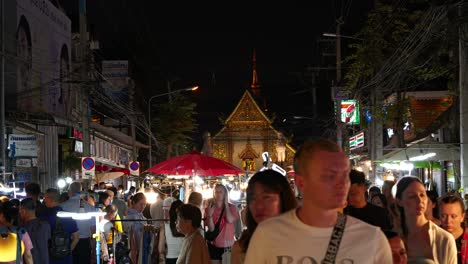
<point x="134" y="165"/>
<point x="88" y="163"/>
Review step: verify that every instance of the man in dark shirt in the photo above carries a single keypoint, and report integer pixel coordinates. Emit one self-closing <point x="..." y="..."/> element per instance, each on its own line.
<point x="33" y="190"/>
<point x="51" y="201"/>
<point x="39" y="231"/>
<point x="358" y="206"/>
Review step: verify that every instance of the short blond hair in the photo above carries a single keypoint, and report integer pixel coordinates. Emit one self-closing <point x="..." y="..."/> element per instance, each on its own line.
<point x="309" y="148"/>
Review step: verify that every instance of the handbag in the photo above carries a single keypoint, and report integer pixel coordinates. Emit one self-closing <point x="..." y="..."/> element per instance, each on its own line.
<point x="212" y="235"/>
<point x="335" y="240"/>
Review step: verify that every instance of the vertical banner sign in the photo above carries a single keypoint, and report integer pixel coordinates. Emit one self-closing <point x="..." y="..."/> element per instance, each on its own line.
<point x="360" y="140"/>
<point x="356" y="141"/>
<point x="134" y="168"/>
<point x="350" y="112"/>
<point x="352" y="142"/>
<point x="87" y="167"/>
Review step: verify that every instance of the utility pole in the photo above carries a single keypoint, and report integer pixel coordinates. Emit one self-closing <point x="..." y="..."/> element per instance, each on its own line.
<point x="463" y="86"/>
<point x="339" y="124"/>
<point x="84" y="78"/>
<point x="132" y="119"/>
<point x="84" y="86"/>
<point x="375" y="143"/>
<point x="2" y="99"/>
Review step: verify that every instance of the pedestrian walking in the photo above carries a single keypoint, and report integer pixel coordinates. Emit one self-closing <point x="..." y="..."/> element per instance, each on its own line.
<point x="316" y="232"/>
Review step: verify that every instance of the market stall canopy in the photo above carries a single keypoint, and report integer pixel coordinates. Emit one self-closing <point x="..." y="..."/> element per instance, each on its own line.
<point x="195" y="163"/>
<point x="426" y="150"/>
<point x="108" y="176"/>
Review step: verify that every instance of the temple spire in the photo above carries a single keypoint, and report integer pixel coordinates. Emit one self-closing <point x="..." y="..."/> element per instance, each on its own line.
<point x="255" y="86"/>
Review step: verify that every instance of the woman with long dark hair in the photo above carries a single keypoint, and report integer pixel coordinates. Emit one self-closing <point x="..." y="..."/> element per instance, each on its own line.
<point x="170" y="240"/>
<point x="268" y="194"/>
<point x="432" y="210"/>
<point x="425" y="241"/>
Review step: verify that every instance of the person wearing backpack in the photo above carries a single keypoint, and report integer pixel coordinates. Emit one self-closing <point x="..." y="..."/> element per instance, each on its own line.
<point x="38" y="230"/>
<point x="62" y="229"/>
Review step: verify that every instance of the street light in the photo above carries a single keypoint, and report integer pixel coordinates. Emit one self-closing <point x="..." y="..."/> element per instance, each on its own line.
<point x="333" y="35"/>
<point x="303" y="117"/>
<point x="192" y="88"/>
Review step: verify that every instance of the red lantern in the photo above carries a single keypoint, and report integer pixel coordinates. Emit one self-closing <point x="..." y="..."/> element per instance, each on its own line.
<point x="105" y="168"/>
<point x="98" y="168"/>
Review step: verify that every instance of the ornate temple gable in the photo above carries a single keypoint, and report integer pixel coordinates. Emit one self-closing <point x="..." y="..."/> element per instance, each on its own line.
<point x="248" y="123"/>
<point x="248" y="152"/>
<point x="220" y="150"/>
<point x="247" y="114"/>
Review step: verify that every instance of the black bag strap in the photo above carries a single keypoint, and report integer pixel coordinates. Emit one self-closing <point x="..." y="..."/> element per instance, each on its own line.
<point x="335" y="240"/>
<point x="219" y="218"/>
<point x="58" y="224"/>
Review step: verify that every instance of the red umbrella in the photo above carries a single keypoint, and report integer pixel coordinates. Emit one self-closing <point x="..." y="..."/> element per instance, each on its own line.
<point x="195" y="163"/>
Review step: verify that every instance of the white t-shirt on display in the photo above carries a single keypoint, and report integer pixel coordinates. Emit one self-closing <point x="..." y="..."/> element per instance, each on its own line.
<point x="286" y="239"/>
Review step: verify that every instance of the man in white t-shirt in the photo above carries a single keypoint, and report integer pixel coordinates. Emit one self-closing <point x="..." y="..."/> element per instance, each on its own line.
<point x="303" y="235"/>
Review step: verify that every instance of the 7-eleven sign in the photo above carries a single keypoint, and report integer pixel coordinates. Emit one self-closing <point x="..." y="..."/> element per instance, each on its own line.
<point x="352" y="143"/>
<point x="360" y="140"/>
<point x="349" y="112"/>
<point x="356" y="141"/>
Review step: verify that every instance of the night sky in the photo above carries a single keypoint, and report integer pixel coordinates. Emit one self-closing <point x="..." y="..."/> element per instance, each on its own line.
<point x="213" y="48"/>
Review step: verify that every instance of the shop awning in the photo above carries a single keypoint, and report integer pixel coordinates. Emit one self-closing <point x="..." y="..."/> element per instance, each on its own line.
<point x="108" y="176"/>
<point x="426" y="150"/>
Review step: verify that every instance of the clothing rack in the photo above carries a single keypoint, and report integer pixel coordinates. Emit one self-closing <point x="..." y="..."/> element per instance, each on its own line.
<point x="138" y="220"/>
<point x="148" y="233"/>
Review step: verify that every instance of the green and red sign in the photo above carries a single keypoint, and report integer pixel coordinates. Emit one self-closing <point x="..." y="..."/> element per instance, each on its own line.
<point x="356" y="141"/>
<point x="350" y="112"/>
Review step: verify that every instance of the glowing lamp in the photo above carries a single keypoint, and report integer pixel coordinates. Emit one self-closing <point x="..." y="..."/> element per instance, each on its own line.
<point x="151" y="197"/>
<point x="61" y="183"/>
<point x="82" y="215"/>
<point x="207" y="193"/>
<point x="235" y="195"/>
<point x="198" y="180"/>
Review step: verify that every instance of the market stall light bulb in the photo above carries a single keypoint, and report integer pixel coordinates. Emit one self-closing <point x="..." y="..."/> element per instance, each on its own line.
<point x="61" y="183"/>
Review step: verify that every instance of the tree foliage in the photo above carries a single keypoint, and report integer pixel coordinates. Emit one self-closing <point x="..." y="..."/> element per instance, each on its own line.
<point x="387" y="26"/>
<point x="71" y="162"/>
<point x="173" y="122"/>
<point x="404" y="46"/>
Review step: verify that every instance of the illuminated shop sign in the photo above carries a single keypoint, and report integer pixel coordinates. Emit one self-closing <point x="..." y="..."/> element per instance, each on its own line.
<point x="356" y="141"/>
<point x="350" y="112"/>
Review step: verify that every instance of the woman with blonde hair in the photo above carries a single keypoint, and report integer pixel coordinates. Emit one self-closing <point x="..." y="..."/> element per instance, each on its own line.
<point x="220" y="215"/>
<point x="452" y="216"/>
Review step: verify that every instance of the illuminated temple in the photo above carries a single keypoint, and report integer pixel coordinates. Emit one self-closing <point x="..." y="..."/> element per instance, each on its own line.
<point x="248" y="132"/>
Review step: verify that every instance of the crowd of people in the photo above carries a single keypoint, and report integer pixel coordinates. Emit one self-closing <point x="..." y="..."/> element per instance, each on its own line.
<point x="337" y="219"/>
